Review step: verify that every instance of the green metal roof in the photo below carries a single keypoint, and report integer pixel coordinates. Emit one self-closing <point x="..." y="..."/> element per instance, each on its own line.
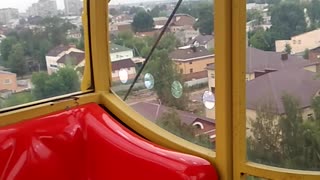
<point x="117" y="48"/>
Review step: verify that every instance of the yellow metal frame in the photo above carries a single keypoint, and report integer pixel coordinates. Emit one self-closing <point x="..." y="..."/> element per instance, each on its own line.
<point x="230" y="155"/>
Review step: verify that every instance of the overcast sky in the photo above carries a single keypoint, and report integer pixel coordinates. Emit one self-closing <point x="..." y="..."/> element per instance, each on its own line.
<point x="23" y="5"/>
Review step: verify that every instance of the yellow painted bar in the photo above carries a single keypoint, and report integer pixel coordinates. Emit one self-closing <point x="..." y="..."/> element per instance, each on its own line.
<point x="16" y="116"/>
<point x="222" y="24"/>
<point x="238" y="86"/>
<point x="270" y="172"/>
<point x="99" y="38"/>
<point x="87" y="79"/>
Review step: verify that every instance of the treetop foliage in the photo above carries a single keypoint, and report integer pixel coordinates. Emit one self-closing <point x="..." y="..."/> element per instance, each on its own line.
<point x="142" y="22"/>
<point x="286" y="140"/>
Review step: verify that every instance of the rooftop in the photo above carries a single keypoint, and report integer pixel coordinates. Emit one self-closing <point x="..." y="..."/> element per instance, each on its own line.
<point x="125" y="63"/>
<point x="201" y="39"/>
<point x="190" y="53"/>
<point x="270" y="88"/>
<point x="74" y="58"/>
<point x="149" y="111"/>
<point x="183" y="20"/>
<point x="114" y="48"/>
<point x="259" y="60"/>
<point x="6" y="72"/>
<point x="57" y="50"/>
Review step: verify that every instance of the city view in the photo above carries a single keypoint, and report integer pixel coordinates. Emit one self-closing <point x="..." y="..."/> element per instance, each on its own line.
<point x="42" y="55"/>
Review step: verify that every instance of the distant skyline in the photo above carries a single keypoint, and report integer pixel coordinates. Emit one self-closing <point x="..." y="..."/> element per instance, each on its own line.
<point x="23" y="5"/>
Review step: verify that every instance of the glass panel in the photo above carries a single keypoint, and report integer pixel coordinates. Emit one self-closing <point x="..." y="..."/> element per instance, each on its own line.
<point x="41" y="50"/>
<point x="282" y="89"/>
<point x="176" y="87"/>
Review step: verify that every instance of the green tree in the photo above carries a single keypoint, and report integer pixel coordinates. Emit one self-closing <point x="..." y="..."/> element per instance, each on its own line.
<point x="261" y="40"/>
<point x="254" y="15"/>
<point x="134" y="10"/>
<point x="288" y="49"/>
<point x="5" y="49"/>
<point x="291" y="130"/>
<point x="55" y="29"/>
<point x="171" y="122"/>
<point x="16" y="60"/>
<point x="165" y="73"/>
<point x="285" y="140"/>
<point x="114" y="11"/>
<point x="142" y="22"/>
<point x="169" y="42"/>
<point x="17" y="99"/>
<point x="155" y="12"/>
<point x="313" y="10"/>
<point x="205" y="20"/>
<point x="306" y="53"/>
<point x="64" y="81"/>
<point x="263" y="142"/>
<point x="288" y="20"/>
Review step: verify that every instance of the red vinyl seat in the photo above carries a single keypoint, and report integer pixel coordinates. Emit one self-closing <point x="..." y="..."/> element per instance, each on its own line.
<point x="86" y="143"/>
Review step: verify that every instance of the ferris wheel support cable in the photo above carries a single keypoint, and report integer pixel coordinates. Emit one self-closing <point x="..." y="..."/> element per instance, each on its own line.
<point x="153" y="48"/>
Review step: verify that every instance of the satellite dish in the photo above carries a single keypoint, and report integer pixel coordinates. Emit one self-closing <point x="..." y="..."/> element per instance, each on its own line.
<point x="196" y="44"/>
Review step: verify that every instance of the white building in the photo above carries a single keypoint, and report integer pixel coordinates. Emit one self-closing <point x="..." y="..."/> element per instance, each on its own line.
<point x="57" y="53"/>
<point x="7" y="14"/>
<point x="260" y="7"/>
<point x="2" y="37"/>
<point x="118" y="52"/>
<point x="43" y="8"/>
<point x="72" y="7"/>
<point x="300" y="43"/>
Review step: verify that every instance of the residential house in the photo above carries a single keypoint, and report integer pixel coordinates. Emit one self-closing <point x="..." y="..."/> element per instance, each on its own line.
<point x="122" y="18"/>
<point x="75" y="20"/>
<point x="72" y="59"/>
<point x="182" y="26"/>
<point x="160" y="21"/>
<point x="192" y="61"/>
<point x="118" y="52"/>
<point x="186" y="34"/>
<point x="113" y="28"/>
<point x="124" y="64"/>
<point x="256" y="6"/>
<point x="55" y="54"/>
<point x="267" y="91"/>
<point x="212" y="85"/>
<point x="8" y="81"/>
<point x="153" y="110"/>
<point x="314" y="54"/>
<point x="259" y="62"/>
<point x="124" y="26"/>
<point x="254" y="25"/>
<point x="74" y="34"/>
<point x="206" y="41"/>
<point x="151" y="33"/>
<point x="300" y="43"/>
<point x="181" y="22"/>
